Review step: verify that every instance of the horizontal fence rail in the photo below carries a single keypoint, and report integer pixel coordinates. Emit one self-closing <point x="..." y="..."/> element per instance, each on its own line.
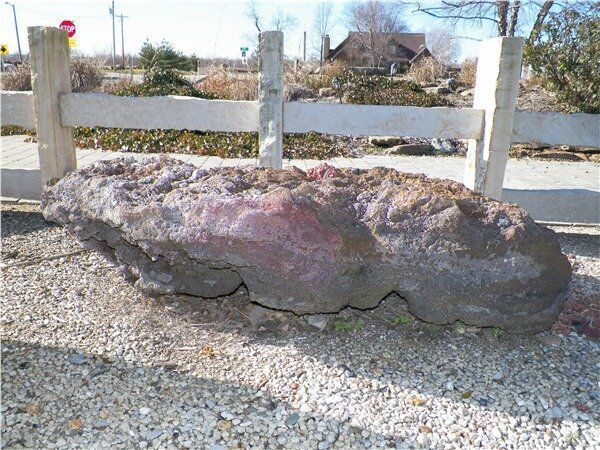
<point x="490" y="126"/>
<point x="555" y="128"/>
<point x="378" y="120"/>
<point x="175" y="112"/>
<point x="17" y="109"/>
<point x="165" y="112"/>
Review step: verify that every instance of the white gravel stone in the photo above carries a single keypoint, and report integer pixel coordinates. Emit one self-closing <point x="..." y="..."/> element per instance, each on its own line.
<point x="89" y="362"/>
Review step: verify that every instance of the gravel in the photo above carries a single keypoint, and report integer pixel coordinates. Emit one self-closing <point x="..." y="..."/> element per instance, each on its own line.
<point x="90" y="362"/>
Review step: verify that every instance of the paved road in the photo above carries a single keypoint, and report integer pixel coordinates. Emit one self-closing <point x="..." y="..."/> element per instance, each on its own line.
<point x="550" y="190"/>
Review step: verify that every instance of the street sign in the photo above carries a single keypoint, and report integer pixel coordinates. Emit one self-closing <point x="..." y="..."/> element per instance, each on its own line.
<point x="69" y="27"/>
<point x="3" y="49"/>
<point x="72" y="42"/>
<point x="244" y="51"/>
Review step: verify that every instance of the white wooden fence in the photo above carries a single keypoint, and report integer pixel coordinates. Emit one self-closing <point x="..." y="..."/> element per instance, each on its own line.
<point x="491" y="125"/>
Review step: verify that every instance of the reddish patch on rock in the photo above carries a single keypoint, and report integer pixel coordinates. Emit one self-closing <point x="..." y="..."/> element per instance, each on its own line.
<point x="580" y="314"/>
<point x="321" y="172"/>
<point x="581" y="407"/>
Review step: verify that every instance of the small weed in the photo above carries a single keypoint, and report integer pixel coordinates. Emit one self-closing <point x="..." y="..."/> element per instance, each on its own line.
<point x="403" y="320"/>
<point x="458" y="327"/>
<point x="418" y="401"/>
<point x="466" y="394"/>
<point x="343" y="325"/>
<point x="497" y="333"/>
<point x="208" y="352"/>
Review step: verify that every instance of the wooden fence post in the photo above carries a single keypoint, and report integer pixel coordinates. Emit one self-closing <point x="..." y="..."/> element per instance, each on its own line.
<point x="49" y="58"/>
<point x="270" y="99"/>
<point x="496" y="89"/>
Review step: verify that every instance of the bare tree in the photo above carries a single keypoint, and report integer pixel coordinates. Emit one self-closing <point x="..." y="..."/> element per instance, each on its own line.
<point x="504" y="14"/>
<point x="322" y="23"/>
<point x="539" y="20"/>
<point x="442" y="44"/>
<point x="375" y="21"/>
<point x="253" y="15"/>
<point x="280" y="21"/>
<point x="515" y="6"/>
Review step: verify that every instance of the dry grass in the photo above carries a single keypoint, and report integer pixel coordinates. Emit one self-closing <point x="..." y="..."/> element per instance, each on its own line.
<point x="468" y="72"/>
<point x="427" y="70"/>
<point x="18" y="79"/>
<point x="86" y="76"/>
<point x="316" y="81"/>
<point x="230" y="85"/>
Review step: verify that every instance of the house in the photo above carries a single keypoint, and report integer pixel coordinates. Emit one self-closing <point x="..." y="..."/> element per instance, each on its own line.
<point x="364" y="49"/>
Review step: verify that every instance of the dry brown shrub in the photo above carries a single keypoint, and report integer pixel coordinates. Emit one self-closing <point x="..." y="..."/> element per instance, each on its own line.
<point x="18" y="79"/>
<point x="116" y="86"/>
<point x="86" y="76"/>
<point x="322" y="79"/>
<point x="427" y="70"/>
<point x="468" y="72"/>
<point x="227" y="84"/>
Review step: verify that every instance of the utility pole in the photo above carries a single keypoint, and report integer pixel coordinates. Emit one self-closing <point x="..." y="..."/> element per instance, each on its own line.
<point x="112" y="12"/>
<point x="305" y="46"/>
<point x="17" y="30"/>
<point x="122" y="41"/>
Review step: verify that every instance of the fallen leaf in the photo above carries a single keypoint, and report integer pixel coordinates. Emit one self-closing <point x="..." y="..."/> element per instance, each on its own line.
<point x="75" y="424"/>
<point x="581" y="407"/>
<point x="418" y="401"/>
<point x="208" y="351"/>
<point x="425" y="429"/>
<point x="224" y="425"/>
<point x="32" y="408"/>
<point x="466" y="394"/>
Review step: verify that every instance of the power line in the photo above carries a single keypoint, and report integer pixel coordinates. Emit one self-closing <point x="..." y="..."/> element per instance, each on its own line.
<point x="20" y="8"/>
<point x="219" y="29"/>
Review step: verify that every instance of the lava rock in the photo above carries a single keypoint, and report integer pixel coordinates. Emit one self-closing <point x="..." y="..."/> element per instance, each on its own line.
<point x="318" y="241"/>
<point x="385" y="141"/>
<point x="411" y="149"/>
<point x="443" y="145"/>
<point x="437" y="90"/>
<point x="326" y="92"/>
<point x="563" y="156"/>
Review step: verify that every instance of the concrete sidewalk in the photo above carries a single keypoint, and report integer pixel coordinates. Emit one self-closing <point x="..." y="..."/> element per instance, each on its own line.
<point x="549" y="190"/>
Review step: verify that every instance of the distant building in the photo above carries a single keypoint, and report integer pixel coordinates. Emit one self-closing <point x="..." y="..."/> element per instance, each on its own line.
<point x="363" y="49"/>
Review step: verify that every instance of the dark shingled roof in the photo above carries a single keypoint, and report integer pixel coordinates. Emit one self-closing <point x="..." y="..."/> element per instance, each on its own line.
<point x="413" y="41"/>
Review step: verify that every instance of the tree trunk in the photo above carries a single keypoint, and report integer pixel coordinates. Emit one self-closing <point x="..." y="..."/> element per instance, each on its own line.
<point x="502" y="10"/>
<point x="514" y="17"/>
<point x="539" y="20"/>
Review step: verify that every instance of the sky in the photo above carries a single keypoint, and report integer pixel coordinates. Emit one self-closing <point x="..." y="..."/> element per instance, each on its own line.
<point x="206" y="28"/>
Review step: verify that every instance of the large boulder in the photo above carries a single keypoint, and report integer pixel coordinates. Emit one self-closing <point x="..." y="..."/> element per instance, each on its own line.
<point x="319" y="241"/>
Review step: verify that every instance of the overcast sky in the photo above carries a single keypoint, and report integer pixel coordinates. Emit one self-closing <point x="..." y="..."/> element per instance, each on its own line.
<point x="201" y="27"/>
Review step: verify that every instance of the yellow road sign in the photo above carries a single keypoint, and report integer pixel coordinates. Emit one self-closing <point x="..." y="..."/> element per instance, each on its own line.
<point x="72" y="42"/>
<point x="3" y="49"/>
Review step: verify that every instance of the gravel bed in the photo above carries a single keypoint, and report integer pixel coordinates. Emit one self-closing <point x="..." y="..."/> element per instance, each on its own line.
<point x="89" y="362"/>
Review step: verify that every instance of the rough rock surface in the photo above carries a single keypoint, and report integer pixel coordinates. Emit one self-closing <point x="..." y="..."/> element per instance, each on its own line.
<point x="319" y="241"/>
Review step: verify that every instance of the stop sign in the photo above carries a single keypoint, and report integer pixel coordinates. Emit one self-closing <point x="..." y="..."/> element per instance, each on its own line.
<point x="68" y="26"/>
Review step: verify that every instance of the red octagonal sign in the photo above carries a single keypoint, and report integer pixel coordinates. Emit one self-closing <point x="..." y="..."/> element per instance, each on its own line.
<point x="68" y="26"/>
